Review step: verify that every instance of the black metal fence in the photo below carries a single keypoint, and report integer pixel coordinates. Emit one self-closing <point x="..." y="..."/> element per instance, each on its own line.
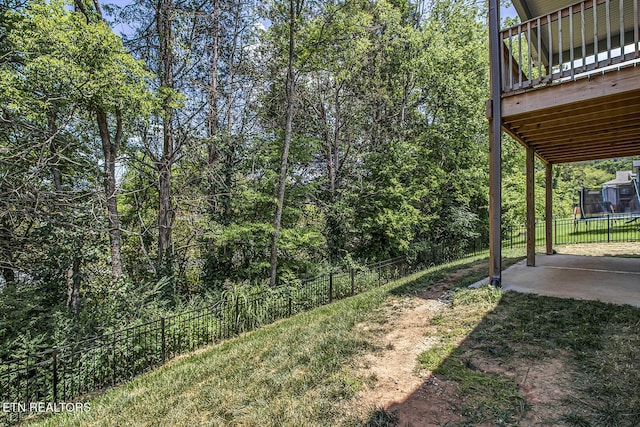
<point x="66" y="373"/>
<point x="605" y="229"/>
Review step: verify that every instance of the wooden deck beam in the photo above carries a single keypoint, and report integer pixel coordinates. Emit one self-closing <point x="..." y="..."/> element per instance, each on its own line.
<point x="610" y="84"/>
<point x="594" y="146"/>
<point x="586" y="119"/>
<point x="613" y="134"/>
<point x="631" y="109"/>
<point x="566" y="112"/>
<point x="577" y="127"/>
<point x="595" y="156"/>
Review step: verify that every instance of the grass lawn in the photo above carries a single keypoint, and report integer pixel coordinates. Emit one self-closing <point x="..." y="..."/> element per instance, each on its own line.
<point x="307" y="370"/>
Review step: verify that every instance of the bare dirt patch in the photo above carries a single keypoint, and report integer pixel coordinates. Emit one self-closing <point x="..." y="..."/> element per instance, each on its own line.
<point x="394" y="366"/>
<point x="544" y="388"/>
<point x="601" y="249"/>
<point x="417" y="397"/>
<point x="420" y="398"/>
<point x="543" y="384"/>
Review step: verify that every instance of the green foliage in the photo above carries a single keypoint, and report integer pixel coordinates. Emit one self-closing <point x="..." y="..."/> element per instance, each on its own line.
<point x="388" y="155"/>
<point x="83" y="62"/>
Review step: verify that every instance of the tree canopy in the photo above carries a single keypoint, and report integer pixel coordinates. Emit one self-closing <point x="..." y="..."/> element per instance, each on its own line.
<point x="217" y="142"/>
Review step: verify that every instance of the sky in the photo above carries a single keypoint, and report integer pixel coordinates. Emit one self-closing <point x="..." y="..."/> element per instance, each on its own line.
<point x="505" y="12"/>
<point x="118" y="2"/>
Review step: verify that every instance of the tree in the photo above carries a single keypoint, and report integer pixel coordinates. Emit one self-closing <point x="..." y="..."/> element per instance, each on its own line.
<point x="294" y="12"/>
<point x="78" y="67"/>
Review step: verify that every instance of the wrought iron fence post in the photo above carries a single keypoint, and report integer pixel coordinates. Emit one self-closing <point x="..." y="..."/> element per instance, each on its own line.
<point x="353" y="281"/>
<point x="330" y="287"/>
<point x="164" y="345"/>
<point x="511" y="237"/>
<point x="608" y="229"/>
<point x="237" y="316"/>
<point x="113" y="359"/>
<point x="54" y="363"/>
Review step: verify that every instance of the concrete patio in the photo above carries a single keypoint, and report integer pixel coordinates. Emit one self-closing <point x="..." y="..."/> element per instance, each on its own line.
<point x="607" y="279"/>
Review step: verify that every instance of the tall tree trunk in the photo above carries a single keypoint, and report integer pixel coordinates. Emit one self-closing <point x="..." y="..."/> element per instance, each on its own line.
<point x="230" y="144"/>
<point x="336" y="144"/>
<point x="165" y="207"/>
<point x="73" y="272"/>
<point x="328" y="146"/>
<point x="110" y="151"/>
<point x="290" y="88"/>
<point x="212" y="116"/>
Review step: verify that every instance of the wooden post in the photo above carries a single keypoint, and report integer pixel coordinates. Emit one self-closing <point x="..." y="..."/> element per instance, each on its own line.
<point x="531" y="209"/>
<point x="549" y="208"/>
<point x="494" y="114"/>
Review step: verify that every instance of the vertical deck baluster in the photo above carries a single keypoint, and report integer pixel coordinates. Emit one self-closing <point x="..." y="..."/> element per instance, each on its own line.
<point x="621" y="9"/>
<point x="636" y="30"/>
<point x="608" y="13"/>
<point x="539" y="53"/>
<point x="520" y="56"/>
<point x="550" y="44"/>
<point x="571" y="56"/>
<point x="510" y="60"/>
<point x="582" y="33"/>
<point x="595" y="32"/>
<point x="560" y="41"/>
<point x="504" y="69"/>
<point x="529" y="53"/>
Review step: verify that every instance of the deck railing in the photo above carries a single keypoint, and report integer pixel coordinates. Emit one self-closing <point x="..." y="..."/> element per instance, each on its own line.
<point x="572" y="42"/>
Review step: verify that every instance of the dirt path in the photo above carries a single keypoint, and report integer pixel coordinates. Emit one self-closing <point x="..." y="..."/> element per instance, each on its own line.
<point x="420" y="398"/>
<point x="417" y="397"/>
<point x="398" y="382"/>
<point x="546" y="383"/>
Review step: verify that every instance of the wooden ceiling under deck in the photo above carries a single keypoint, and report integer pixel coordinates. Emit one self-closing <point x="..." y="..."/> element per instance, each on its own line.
<point x="587" y="119"/>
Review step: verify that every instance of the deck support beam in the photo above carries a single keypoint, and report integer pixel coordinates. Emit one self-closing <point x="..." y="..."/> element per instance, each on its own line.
<point x="548" y="208"/>
<point x="531" y="208"/>
<point x="494" y="113"/>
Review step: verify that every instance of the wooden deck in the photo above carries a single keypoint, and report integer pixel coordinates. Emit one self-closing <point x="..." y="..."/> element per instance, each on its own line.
<point x="565" y="83"/>
<point x="587" y="119"/>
